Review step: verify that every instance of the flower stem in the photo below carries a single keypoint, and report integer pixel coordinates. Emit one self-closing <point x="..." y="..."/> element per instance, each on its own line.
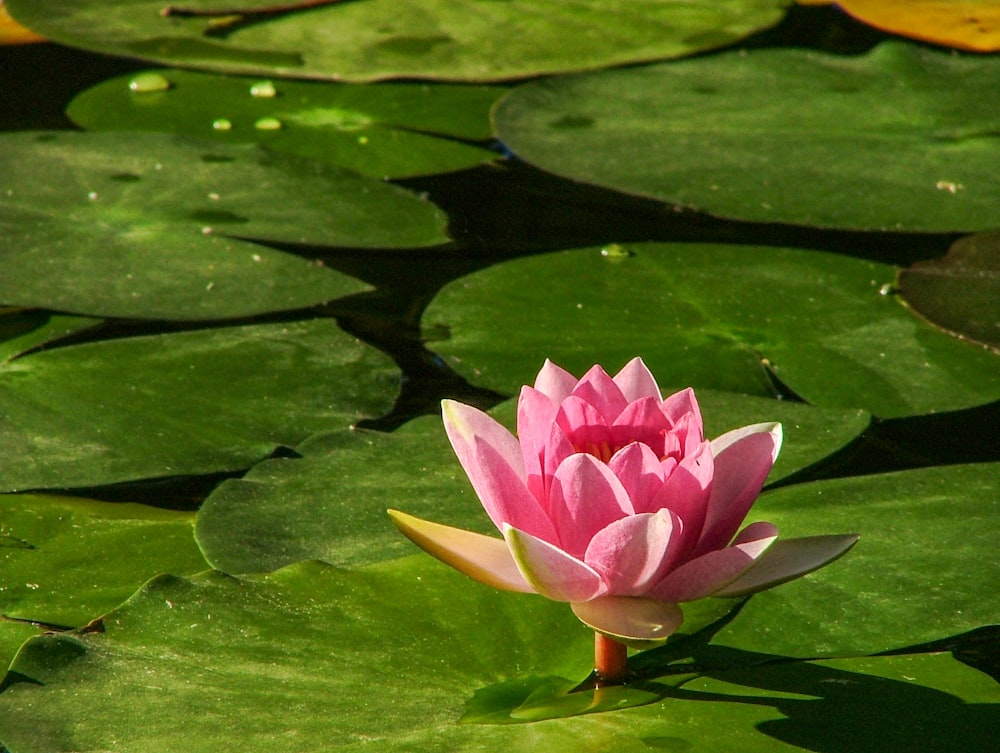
<point x="610" y="660"/>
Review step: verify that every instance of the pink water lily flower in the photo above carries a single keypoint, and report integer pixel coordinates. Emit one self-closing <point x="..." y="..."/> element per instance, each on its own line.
<point x="611" y="499"/>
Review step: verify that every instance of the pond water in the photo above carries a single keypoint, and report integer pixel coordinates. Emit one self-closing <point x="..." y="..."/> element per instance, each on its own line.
<point x="193" y="529"/>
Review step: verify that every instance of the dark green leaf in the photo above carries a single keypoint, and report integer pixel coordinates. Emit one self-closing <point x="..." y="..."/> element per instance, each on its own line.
<point x="711" y="316"/>
<point x="960" y="292"/>
<point x="378" y="39"/>
<point x="383" y="130"/>
<point x="898" y="139"/>
<point x="148" y="225"/>
<point x="179" y="404"/>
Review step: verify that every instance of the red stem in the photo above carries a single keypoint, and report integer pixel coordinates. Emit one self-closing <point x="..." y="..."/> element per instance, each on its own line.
<point x="610" y="660"/>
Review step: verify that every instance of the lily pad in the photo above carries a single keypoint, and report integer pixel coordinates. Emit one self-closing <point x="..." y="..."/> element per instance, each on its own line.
<point x="960" y="292"/>
<point x="280" y="659"/>
<point x="50" y="573"/>
<point x="23" y="330"/>
<point x="181" y="404"/>
<point x="897" y="139"/>
<point x="711" y="316"/>
<point x="330" y="503"/>
<point x="149" y="225"/>
<point x="927" y="543"/>
<point x="383" y="130"/>
<point x="379" y="39"/>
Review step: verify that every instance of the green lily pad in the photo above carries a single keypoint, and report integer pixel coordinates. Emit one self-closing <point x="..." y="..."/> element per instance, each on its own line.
<point x="897" y="139"/>
<point x="960" y="292"/>
<point x="379" y="39"/>
<point x="149" y="225"/>
<point x="23" y="330"/>
<point x="65" y="561"/>
<point x="281" y="659"/>
<point x="330" y="503"/>
<point x="923" y="569"/>
<point x="179" y="404"/>
<point x="711" y="316"/>
<point x="383" y="130"/>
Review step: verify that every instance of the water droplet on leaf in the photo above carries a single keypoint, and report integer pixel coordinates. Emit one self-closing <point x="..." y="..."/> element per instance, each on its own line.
<point x="263" y="89"/>
<point x="148" y="82"/>
<point x="267" y="124"/>
<point x="221" y="124"/>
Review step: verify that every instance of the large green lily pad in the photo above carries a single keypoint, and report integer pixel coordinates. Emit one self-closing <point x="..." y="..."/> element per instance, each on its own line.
<point x="22" y="330"/>
<point x="383" y="130"/>
<point x="65" y="561"/>
<point x="898" y="139"/>
<point x="378" y="39"/>
<point x="711" y="316"/>
<point x="154" y="226"/>
<point x="330" y="503"/>
<point x="281" y="659"/>
<point x="923" y="569"/>
<point x="178" y="404"/>
<point x="960" y="292"/>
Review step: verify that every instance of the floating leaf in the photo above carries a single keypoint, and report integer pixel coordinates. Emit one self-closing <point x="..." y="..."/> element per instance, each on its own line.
<point x="181" y="404"/>
<point x="330" y="504"/>
<point x="927" y="538"/>
<point x="900" y="138"/>
<point x="23" y="330"/>
<point x="711" y="316"/>
<point x="960" y="292"/>
<point x="383" y="130"/>
<point x="966" y="24"/>
<point x="50" y="573"/>
<point x="280" y="659"/>
<point x="379" y="39"/>
<point x="148" y="225"/>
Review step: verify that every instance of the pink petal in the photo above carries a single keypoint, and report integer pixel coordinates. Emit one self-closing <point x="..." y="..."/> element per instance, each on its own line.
<point x="463" y="424"/>
<point x="557" y="449"/>
<point x="504" y="494"/>
<point x="788" y="559"/>
<point x="640" y="472"/>
<point x="636" y="381"/>
<point x="585" y="497"/>
<point x="555" y="381"/>
<point x="689" y="432"/>
<point x="640" y="623"/>
<point x="482" y="558"/>
<point x="680" y="404"/>
<point x="709" y="573"/>
<point x="743" y="458"/>
<point x="536" y="413"/>
<point x="491" y="457"/>
<point x="634" y="552"/>
<point x="578" y="417"/>
<point x="643" y="422"/>
<point x="550" y="571"/>
<point x="686" y="492"/>
<point x="600" y="390"/>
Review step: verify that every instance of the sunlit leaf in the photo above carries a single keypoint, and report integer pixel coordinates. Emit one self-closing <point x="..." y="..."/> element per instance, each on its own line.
<point x="65" y="561"/>
<point x="383" y="130"/>
<point x="960" y="292"/>
<point x="148" y="225"/>
<point x="378" y="39"/>
<point x="897" y="139"/>
<point x="711" y="316"/>
<point x="23" y="330"/>
<point x="281" y="660"/>
<point x="179" y="404"/>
